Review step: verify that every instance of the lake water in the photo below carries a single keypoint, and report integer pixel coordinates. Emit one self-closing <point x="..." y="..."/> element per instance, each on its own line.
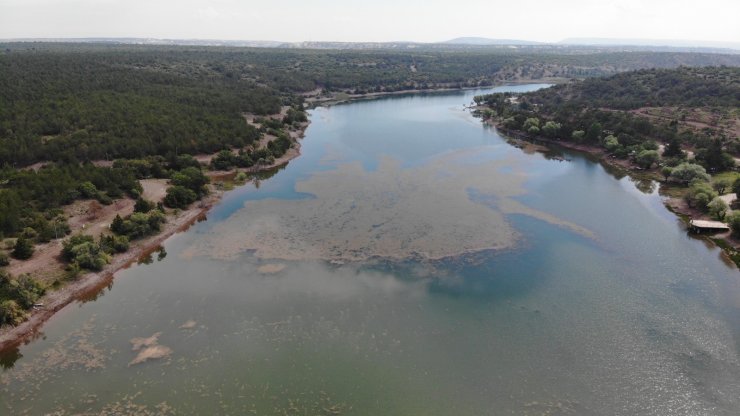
<point x="409" y="262"/>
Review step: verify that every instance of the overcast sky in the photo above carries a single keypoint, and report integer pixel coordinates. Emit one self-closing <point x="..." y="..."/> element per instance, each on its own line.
<point x="372" y="20"/>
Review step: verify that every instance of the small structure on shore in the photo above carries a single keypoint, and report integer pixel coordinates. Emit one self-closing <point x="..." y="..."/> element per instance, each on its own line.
<point x="699" y="226"/>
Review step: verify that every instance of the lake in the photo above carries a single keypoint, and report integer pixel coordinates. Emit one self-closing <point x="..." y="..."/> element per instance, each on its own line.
<point x="409" y="262"/>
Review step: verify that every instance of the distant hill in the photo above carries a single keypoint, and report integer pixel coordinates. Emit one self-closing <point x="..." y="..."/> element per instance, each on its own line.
<point x="674" y="43"/>
<point x="486" y="41"/>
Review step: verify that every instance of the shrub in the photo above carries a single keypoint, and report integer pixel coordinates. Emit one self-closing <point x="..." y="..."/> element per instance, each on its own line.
<point x="688" y="172"/>
<point x="733" y="220"/>
<point x="142" y="205"/>
<point x="85" y="252"/>
<point x="717" y="208"/>
<point x="179" y="197"/>
<point x="700" y="194"/>
<point x="23" y="249"/>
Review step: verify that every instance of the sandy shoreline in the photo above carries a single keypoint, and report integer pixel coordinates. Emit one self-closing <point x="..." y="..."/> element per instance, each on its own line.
<point x="90" y="284"/>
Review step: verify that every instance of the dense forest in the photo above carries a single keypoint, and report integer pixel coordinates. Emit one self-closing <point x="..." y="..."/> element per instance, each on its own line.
<point x="608" y="112"/>
<point x="96" y="118"/>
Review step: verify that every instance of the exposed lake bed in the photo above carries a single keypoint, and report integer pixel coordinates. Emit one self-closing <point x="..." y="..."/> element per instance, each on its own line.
<point x="582" y="294"/>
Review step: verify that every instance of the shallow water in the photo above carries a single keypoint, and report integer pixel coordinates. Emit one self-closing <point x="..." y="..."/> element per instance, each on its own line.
<point x="598" y="303"/>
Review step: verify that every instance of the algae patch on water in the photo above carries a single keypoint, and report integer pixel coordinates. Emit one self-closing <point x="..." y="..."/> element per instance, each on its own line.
<point x="392" y="212"/>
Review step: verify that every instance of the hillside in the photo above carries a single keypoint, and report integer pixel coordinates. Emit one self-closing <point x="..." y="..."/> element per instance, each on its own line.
<point x="697" y="109"/>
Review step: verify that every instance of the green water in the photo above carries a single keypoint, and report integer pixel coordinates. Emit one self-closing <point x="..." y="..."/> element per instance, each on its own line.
<point x="632" y="318"/>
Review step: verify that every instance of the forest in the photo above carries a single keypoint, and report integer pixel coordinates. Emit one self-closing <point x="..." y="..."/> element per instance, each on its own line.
<point x="88" y="121"/>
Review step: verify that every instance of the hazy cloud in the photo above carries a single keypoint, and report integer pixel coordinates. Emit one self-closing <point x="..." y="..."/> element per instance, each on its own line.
<point x="380" y="20"/>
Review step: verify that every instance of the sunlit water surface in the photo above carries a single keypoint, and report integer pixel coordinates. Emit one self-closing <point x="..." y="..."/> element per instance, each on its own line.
<point x="631" y="317"/>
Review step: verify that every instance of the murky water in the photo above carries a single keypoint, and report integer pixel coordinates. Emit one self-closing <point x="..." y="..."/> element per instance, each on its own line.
<point x="591" y="298"/>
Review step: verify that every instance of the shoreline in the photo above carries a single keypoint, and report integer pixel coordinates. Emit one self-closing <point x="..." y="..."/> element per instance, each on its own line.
<point x="90" y="284"/>
<point x="314" y="101"/>
<point x="724" y="240"/>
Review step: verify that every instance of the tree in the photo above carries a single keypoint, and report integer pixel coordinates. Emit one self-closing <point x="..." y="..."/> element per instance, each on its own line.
<point x="23" y="249"/>
<point x="736" y="187"/>
<point x="688" y="172"/>
<point x="673" y="149"/>
<point x="594" y="132"/>
<point x="717" y="208"/>
<point x="179" y="197"/>
<point x="733" y="220"/>
<point x="611" y="143"/>
<point x="646" y="158"/>
<point x="117" y="225"/>
<point x="531" y="122"/>
<point x="551" y="129"/>
<point x="142" y="205"/>
<point x="578" y="136"/>
<point x="700" y="194"/>
<point x="11" y="313"/>
<point x="666" y="172"/>
<point x="191" y="178"/>
<point x="721" y="185"/>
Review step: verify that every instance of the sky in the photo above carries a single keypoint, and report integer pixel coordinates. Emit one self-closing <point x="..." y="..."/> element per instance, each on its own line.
<point x="372" y="20"/>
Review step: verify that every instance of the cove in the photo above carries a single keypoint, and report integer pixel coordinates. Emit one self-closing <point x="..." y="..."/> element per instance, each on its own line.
<point x="409" y="262"/>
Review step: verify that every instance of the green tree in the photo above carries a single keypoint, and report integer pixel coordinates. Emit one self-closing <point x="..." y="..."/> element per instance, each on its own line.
<point x="646" y="158"/>
<point x="736" y="187"/>
<point x="551" y="129"/>
<point x="611" y="143"/>
<point x="721" y="185"/>
<point x="531" y="122"/>
<point x="142" y="205"/>
<point x="733" y="220"/>
<point x="578" y="136"/>
<point x="688" y="172"/>
<point x="700" y="194"/>
<point x="11" y="313"/>
<point x="666" y="171"/>
<point x="23" y="249"/>
<point x="717" y="208"/>
<point x="179" y="197"/>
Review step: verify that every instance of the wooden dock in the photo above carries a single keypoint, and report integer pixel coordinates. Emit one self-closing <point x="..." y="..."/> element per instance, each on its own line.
<point x="698" y="226"/>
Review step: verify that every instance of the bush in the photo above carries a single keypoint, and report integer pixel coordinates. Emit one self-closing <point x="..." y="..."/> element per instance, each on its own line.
<point x="114" y="243"/>
<point x="24" y="290"/>
<point x="139" y="224"/>
<point x="4" y="259"/>
<point x="23" y="249"/>
<point x="688" y="172"/>
<point x="717" y="208"/>
<point x="11" y="313"/>
<point x="85" y="252"/>
<point x="700" y="194"/>
<point x="142" y="205"/>
<point x="733" y="220"/>
<point x="179" y="197"/>
<point x="646" y="158"/>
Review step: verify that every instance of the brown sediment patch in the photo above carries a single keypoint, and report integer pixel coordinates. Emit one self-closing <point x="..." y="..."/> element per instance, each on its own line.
<point x="149" y="349"/>
<point x="190" y="324"/>
<point x="423" y="212"/>
<point x="271" y="268"/>
<point x="155" y="352"/>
